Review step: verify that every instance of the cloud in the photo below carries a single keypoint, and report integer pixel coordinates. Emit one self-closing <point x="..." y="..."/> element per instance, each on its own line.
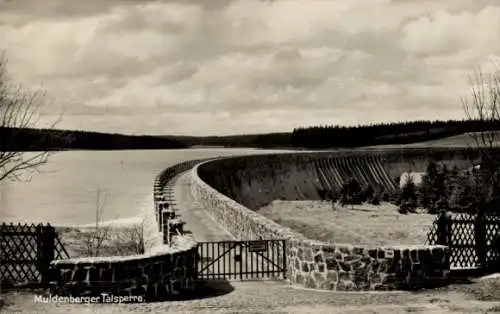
<point x="223" y="67"/>
<point x="443" y="33"/>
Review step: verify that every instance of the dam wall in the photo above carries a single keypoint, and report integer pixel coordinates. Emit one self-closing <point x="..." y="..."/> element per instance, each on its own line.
<point x="255" y="181"/>
<point x="232" y="189"/>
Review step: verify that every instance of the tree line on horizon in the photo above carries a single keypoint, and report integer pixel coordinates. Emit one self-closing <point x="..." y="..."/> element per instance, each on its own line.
<point x="336" y="136"/>
<point x="315" y="137"/>
<point x="27" y="139"/>
<point x="320" y="137"/>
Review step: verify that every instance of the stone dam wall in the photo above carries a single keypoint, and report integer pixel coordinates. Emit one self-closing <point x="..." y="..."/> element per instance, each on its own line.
<point x="231" y="189"/>
<point x="162" y="273"/>
<point x="255" y="181"/>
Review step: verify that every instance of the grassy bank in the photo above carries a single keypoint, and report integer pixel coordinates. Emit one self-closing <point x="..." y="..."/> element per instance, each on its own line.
<point x="354" y="224"/>
<point x="116" y="241"/>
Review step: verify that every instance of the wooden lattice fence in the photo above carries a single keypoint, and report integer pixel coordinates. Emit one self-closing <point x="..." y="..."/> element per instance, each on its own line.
<point x="474" y="241"/>
<point x="26" y="251"/>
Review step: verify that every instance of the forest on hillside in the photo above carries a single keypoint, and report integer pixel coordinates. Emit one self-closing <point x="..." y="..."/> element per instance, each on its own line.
<point x="323" y="137"/>
<point x="12" y="139"/>
<point x="319" y="137"/>
<point x="315" y="137"/>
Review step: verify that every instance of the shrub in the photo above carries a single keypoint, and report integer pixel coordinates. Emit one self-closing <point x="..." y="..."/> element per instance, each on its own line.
<point x="408" y="196"/>
<point x="437" y="186"/>
<point x="375" y="199"/>
<point x="351" y="192"/>
<point x="322" y="194"/>
<point x="424" y="199"/>
<point x="386" y="197"/>
<point x="334" y="196"/>
<point x="404" y="207"/>
<point x="461" y="192"/>
<point x="368" y="193"/>
<point x="397" y="180"/>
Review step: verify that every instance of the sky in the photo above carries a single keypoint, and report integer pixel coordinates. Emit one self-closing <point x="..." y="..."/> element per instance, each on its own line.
<point x="218" y="67"/>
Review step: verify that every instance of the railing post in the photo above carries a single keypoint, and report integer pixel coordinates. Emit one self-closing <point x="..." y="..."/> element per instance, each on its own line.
<point x="165" y="226"/>
<point x="284" y="259"/>
<point x="159" y="217"/>
<point x="45" y="250"/>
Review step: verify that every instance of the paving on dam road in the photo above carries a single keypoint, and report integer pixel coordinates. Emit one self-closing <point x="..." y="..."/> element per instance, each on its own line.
<point x="203" y="227"/>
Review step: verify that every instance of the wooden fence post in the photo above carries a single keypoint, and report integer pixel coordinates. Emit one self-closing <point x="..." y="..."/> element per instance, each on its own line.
<point x="45" y="249"/>
<point x="480" y="239"/>
<point x="443" y="229"/>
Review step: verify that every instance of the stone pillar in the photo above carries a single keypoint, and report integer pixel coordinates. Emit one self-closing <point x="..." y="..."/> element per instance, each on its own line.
<point x="165" y="215"/>
<point x="158" y="207"/>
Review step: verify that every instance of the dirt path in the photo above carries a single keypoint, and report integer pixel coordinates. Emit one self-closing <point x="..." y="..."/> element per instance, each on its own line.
<point x="275" y="297"/>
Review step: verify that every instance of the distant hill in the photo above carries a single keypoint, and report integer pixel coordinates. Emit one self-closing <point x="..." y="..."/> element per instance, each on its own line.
<point x="268" y="140"/>
<point x="331" y="137"/>
<point x="44" y="139"/>
<point x="400" y="133"/>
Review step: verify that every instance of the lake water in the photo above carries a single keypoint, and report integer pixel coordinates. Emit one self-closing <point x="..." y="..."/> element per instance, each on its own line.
<point x="66" y="190"/>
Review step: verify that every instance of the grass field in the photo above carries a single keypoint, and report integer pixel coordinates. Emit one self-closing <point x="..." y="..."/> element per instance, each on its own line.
<point x="459" y="141"/>
<point x="463" y="140"/>
<point x="362" y="225"/>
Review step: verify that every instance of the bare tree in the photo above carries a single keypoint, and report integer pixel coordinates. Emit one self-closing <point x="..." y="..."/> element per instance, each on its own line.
<point x="96" y="238"/>
<point x="483" y="106"/>
<point x="18" y="110"/>
<point x="130" y="240"/>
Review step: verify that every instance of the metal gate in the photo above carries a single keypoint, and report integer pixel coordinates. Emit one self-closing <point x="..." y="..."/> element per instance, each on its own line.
<point x="257" y="259"/>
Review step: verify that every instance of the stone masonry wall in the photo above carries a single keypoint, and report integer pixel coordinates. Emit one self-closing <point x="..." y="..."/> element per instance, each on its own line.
<point x="314" y="264"/>
<point x="157" y="276"/>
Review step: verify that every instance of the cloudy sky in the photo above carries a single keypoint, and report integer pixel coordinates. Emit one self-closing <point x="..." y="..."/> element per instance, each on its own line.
<point x="223" y="67"/>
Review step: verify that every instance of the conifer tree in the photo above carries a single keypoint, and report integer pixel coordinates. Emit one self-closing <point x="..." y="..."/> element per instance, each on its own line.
<point x="408" y="196"/>
<point x="428" y="182"/>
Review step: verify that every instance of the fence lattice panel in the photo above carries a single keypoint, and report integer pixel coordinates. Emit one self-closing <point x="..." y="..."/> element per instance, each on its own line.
<point x="432" y="234"/>
<point x="21" y="252"/>
<point x="460" y="236"/>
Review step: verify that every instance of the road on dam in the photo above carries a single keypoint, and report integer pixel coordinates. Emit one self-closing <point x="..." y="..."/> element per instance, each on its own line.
<point x="227" y="258"/>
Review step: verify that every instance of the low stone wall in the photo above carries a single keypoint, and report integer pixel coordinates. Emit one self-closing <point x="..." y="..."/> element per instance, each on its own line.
<point x="155" y="276"/>
<point x="332" y="266"/>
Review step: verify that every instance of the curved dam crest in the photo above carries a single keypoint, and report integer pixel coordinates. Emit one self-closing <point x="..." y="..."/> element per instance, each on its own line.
<point x="256" y="181"/>
<point x="232" y="190"/>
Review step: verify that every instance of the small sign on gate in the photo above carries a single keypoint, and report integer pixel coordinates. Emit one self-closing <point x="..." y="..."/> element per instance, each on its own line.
<point x="257" y="246"/>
